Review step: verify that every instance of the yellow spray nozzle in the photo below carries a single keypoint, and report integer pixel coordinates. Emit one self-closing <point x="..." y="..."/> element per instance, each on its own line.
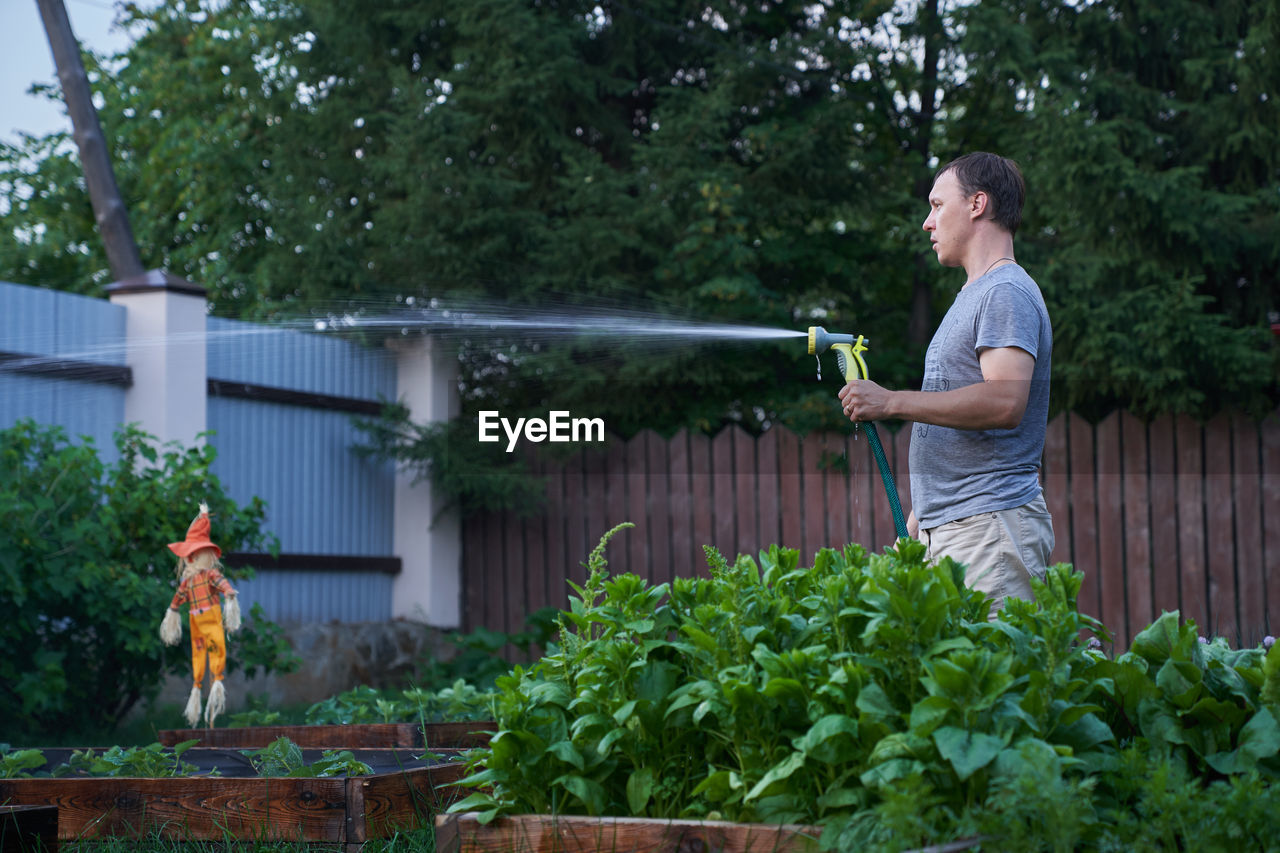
<point x="849" y="349"/>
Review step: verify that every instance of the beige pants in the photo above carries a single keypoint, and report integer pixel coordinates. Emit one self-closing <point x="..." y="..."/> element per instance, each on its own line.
<point x="1001" y="550"/>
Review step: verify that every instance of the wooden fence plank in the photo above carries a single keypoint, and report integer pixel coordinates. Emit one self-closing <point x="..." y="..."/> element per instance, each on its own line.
<point x="725" y="535"/>
<point x="902" y="466"/>
<point x="616" y="510"/>
<point x="1111" y="567"/>
<point x="575" y="521"/>
<point x="1219" y="512"/>
<point x="703" y="515"/>
<point x="473" y="569"/>
<point x="492" y="575"/>
<point x="837" y="481"/>
<point x="1191" y="552"/>
<point x="861" y="485"/>
<point x="659" y="487"/>
<point x="790" y="490"/>
<point x="681" y="506"/>
<point x="1084" y="515"/>
<point x="770" y="486"/>
<point x="596" y="495"/>
<point x="534" y="574"/>
<point x="637" y="486"/>
<point x="815" y="511"/>
<point x="1164" y="515"/>
<point x="1269" y="433"/>
<point x="514" y="578"/>
<point x="746" y="489"/>
<point x="557" y="537"/>
<point x="1247" y="496"/>
<point x="1055" y="479"/>
<point x="882" y="532"/>
<point x="1137" y="524"/>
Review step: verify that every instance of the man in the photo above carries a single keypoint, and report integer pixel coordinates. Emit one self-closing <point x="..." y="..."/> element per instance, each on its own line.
<point x="979" y="419"/>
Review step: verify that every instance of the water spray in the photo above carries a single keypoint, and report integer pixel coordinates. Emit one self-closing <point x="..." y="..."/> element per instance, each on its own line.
<point x="849" y="352"/>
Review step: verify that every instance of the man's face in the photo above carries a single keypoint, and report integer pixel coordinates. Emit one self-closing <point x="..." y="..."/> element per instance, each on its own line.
<point x="948" y="224"/>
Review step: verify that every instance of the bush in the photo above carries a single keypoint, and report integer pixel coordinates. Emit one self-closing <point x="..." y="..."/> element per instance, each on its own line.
<point x="86" y="576"/>
<point x="869" y="695"/>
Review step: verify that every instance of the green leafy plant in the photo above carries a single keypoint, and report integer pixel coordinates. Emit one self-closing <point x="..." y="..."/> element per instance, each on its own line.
<point x="283" y="757"/>
<point x="86" y="574"/>
<point x="19" y="762"/>
<point x="460" y="702"/>
<point x="868" y="695"/>
<point x="152" y="761"/>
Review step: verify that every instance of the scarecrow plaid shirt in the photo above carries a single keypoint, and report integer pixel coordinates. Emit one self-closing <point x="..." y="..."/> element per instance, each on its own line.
<point x="201" y="590"/>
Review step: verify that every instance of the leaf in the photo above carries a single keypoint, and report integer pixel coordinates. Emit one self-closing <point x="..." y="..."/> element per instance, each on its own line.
<point x="831" y="740"/>
<point x="640" y="786"/>
<point x="588" y="791"/>
<point x="1259" y="739"/>
<point x="968" y="752"/>
<point x="566" y="752"/>
<point x="777" y="773"/>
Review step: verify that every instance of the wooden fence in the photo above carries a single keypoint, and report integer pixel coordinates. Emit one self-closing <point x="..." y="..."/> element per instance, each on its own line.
<point x="1166" y="515"/>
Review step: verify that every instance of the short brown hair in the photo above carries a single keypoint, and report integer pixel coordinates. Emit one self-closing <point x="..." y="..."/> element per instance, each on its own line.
<point x="998" y="177"/>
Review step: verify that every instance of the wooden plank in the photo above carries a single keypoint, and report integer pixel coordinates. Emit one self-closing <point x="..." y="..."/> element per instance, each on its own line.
<point x="366" y="736"/>
<point x="815" y="510"/>
<point x="1192" y="582"/>
<point x="659" y="487"/>
<point x="902" y="466"/>
<point x="1162" y="488"/>
<point x="1224" y="621"/>
<point x="837" y="480"/>
<point x="745" y="490"/>
<point x="493" y="571"/>
<point x="703" y="517"/>
<point x="882" y="530"/>
<point x="1137" y="523"/>
<point x="533" y="559"/>
<point x="515" y="580"/>
<point x="635" y="453"/>
<point x="723" y="499"/>
<point x="191" y="808"/>
<point x="1056" y="480"/>
<point x="463" y="833"/>
<point x="26" y="829"/>
<point x="769" y="485"/>
<point x="863" y="481"/>
<point x="1247" y="493"/>
<point x="209" y="808"/>
<point x="473" y="556"/>
<point x="575" y="523"/>
<point x="557" y="537"/>
<point x="393" y="802"/>
<point x="617" y="510"/>
<point x="1084" y="514"/>
<point x="1269" y="435"/>
<point x="680" y="503"/>
<point x="595" y="493"/>
<point x="790" y="489"/>
<point x="1111" y="566"/>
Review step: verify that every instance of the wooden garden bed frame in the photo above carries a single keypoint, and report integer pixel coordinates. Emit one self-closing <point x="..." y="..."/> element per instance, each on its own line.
<point x="338" y="811"/>
<point x="369" y="736"/>
<point x="463" y="833"/>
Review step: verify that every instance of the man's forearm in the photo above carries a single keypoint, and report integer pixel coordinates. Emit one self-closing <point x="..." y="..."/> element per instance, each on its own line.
<point x="994" y="404"/>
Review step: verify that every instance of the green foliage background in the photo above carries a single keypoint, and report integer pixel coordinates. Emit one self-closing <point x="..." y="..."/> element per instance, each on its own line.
<point x="86" y="575"/>
<point x="762" y="163"/>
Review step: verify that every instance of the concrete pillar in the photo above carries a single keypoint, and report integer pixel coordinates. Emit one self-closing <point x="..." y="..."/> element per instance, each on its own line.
<point x="428" y="542"/>
<point x="165" y="333"/>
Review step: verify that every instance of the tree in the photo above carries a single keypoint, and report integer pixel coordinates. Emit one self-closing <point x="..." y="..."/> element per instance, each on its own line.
<point x="1148" y="142"/>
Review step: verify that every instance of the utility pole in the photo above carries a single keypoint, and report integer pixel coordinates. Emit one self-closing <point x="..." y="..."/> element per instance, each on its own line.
<point x="108" y="207"/>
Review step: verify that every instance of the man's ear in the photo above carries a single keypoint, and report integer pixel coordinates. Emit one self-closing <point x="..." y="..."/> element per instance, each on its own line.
<point x="978" y="205"/>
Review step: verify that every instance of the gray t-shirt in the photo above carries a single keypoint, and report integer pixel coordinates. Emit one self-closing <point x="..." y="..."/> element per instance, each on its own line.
<point x="958" y="473"/>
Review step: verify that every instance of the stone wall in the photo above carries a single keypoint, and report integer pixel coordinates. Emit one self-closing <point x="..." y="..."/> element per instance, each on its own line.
<point x="335" y="657"/>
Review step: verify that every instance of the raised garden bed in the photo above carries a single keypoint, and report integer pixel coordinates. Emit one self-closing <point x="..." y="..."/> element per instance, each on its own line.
<point x="404" y="792"/>
<point x="463" y="833"/>
<point x="371" y="736"/>
<point x="24" y="828"/>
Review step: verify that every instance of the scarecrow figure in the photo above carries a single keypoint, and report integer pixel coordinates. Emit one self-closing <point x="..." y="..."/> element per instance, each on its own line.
<point x="201" y="583"/>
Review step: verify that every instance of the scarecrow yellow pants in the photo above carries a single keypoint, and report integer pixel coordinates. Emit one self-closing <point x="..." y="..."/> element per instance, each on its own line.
<point x="207" y="638"/>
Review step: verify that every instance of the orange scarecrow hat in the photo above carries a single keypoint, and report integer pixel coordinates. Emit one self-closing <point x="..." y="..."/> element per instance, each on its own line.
<point x="197" y="536"/>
